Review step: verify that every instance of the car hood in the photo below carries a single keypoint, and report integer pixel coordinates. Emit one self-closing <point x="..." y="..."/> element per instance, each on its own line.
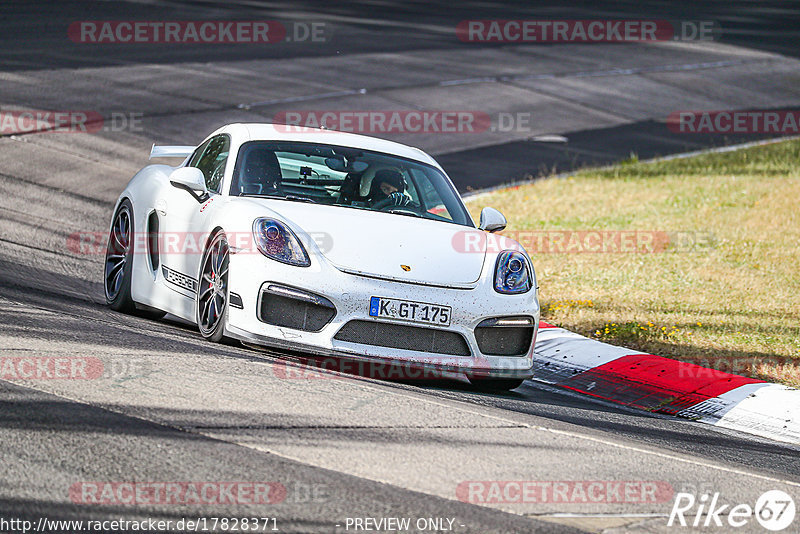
<point x="379" y="244"/>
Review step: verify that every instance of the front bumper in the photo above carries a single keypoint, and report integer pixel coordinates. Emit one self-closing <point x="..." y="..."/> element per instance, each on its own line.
<point x="390" y="368"/>
<point x="350" y="294"/>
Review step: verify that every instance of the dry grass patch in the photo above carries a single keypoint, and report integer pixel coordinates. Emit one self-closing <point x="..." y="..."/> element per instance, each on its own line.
<point x="726" y="290"/>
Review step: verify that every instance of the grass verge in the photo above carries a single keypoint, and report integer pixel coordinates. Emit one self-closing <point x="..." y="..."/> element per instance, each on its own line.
<point x="702" y="260"/>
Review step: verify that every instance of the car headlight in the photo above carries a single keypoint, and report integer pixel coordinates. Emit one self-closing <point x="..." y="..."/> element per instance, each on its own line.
<point x="511" y="273"/>
<point x="275" y="241"/>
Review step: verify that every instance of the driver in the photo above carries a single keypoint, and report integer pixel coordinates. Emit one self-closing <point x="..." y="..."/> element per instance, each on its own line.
<point x="388" y="189"/>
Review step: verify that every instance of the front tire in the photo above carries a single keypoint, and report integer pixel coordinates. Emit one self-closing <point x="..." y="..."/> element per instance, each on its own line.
<point x="211" y="303"/>
<point x="118" y="267"/>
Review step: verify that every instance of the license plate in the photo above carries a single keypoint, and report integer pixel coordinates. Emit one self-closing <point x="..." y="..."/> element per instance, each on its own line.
<point x="408" y="310"/>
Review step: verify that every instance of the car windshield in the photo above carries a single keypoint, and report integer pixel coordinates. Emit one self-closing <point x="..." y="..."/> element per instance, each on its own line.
<point x="347" y="177"/>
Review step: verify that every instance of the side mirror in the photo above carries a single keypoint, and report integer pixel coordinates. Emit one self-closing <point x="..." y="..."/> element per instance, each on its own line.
<point x="192" y="180"/>
<point x="492" y="220"/>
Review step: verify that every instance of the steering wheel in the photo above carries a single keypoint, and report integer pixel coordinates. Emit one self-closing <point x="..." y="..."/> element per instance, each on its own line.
<point x="388" y="204"/>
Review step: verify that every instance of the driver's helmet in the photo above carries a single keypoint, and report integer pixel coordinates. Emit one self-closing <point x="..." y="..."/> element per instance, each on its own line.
<point x="389" y="176"/>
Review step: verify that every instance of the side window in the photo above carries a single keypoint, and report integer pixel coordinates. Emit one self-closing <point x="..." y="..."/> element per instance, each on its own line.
<point x="431" y="201"/>
<point x="197" y="153"/>
<point x="411" y="187"/>
<point x="211" y="160"/>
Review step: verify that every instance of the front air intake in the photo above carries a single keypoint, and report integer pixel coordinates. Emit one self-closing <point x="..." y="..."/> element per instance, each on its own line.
<point x="398" y="336"/>
<point x="294" y="308"/>
<point x="505" y="336"/>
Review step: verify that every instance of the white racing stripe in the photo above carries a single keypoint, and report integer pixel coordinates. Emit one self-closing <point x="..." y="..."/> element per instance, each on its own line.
<point x="772" y="411"/>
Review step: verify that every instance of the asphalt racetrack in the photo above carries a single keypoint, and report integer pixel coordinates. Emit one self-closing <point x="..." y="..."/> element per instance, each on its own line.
<point x="170" y="407"/>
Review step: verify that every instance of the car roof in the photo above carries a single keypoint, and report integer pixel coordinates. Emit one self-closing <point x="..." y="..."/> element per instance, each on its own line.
<point x="278" y="132"/>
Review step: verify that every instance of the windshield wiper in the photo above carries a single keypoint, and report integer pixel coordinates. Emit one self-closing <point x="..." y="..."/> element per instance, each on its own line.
<point x="296" y="198"/>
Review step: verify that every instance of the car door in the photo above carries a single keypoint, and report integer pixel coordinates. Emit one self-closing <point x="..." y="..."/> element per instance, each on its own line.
<point x="184" y="218"/>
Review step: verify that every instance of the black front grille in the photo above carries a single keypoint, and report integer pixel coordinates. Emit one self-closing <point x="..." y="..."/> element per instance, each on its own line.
<point x="293" y="313"/>
<point x="398" y="336"/>
<point x="504" y="340"/>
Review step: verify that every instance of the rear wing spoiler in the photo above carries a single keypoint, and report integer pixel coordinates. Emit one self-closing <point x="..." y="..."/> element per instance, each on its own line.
<point x="171" y="151"/>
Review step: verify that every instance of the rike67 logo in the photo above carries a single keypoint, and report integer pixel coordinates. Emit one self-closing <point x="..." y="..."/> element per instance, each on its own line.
<point x="774" y="510"/>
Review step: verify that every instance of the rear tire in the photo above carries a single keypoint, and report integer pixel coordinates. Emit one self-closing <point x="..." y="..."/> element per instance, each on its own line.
<point x="496" y="384"/>
<point x="118" y="267"/>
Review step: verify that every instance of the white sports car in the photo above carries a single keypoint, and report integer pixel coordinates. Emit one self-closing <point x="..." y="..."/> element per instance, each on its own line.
<point x="327" y="243"/>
